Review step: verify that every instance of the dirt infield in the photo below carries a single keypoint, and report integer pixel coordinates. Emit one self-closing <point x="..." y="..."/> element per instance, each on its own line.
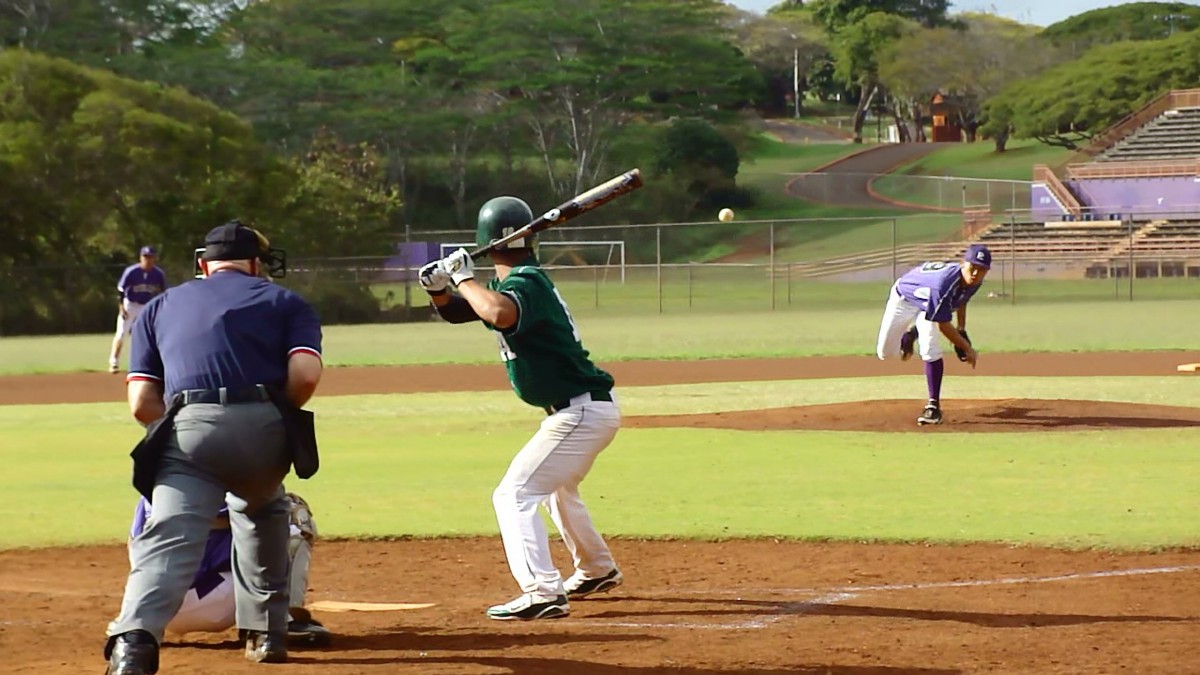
<point x="99" y="387"/>
<point x="761" y="607"/>
<point x="978" y="416"/>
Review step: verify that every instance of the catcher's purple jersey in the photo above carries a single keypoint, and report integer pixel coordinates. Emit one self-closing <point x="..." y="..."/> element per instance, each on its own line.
<point x="139" y="285"/>
<point x="218" y="551"/>
<point x="936" y="287"/>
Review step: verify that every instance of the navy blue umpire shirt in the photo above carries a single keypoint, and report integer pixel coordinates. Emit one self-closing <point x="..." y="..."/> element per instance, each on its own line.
<point x="228" y="330"/>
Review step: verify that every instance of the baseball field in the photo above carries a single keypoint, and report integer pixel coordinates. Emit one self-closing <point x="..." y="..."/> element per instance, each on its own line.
<point x="771" y="501"/>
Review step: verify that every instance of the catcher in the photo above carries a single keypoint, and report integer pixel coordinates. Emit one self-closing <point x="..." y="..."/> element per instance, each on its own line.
<point x="548" y="368"/>
<point x="209" y="607"/>
<point x="930" y="295"/>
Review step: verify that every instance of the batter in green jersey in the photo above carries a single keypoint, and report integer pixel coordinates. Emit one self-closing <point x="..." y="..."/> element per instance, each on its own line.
<point x="548" y="368"/>
<point x="545" y="359"/>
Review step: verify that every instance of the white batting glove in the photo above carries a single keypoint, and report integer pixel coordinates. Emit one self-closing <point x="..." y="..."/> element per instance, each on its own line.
<point x="433" y="278"/>
<point x="459" y="266"/>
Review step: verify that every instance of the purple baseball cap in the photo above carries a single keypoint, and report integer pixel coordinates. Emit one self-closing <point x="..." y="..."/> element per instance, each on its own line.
<point x="148" y="250"/>
<point x="979" y="256"/>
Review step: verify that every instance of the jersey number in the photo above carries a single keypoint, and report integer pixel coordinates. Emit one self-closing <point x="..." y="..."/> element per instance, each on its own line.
<point x="570" y="319"/>
<point x="933" y="267"/>
<point x="507" y="353"/>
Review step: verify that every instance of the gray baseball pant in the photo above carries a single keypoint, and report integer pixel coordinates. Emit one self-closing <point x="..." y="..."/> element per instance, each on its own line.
<point x="239" y="449"/>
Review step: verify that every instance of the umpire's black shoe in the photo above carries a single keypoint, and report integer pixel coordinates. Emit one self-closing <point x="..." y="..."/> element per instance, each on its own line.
<point x="264" y="647"/>
<point x="132" y="653"/>
<point x="307" y="631"/>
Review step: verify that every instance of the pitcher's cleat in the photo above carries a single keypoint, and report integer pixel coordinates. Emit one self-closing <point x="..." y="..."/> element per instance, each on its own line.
<point x="931" y="415"/>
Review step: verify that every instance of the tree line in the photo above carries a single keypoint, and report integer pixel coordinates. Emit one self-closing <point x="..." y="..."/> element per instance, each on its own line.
<point x="338" y="123"/>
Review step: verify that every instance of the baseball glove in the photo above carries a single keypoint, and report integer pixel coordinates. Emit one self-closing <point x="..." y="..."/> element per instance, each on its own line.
<point x="958" y="351"/>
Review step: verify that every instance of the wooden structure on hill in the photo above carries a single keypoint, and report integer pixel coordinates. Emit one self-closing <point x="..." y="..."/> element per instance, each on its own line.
<point x="945" y="113"/>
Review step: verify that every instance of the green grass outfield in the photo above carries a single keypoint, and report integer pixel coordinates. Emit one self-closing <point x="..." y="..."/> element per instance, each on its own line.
<point x="980" y="160"/>
<point x="768" y="166"/>
<point x="921" y="181"/>
<point x="732" y="324"/>
<point x="425" y="465"/>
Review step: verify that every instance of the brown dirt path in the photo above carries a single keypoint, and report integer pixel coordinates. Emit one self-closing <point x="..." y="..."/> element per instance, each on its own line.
<point x="969" y="416"/>
<point x="689" y="608"/>
<point x="101" y="387"/>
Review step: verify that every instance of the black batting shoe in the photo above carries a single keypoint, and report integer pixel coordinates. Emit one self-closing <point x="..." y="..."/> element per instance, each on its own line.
<point x="132" y="653"/>
<point x="931" y="415"/>
<point x="263" y="647"/>
<point x="581" y="588"/>
<point x="531" y="606"/>
<point x="908" y="344"/>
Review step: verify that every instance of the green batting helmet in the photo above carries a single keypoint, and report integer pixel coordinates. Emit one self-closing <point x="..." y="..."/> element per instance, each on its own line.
<point x="500" y="217"/>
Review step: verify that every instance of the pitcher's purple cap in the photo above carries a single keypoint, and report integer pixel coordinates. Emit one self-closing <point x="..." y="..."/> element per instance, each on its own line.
<point x="148" y="250"/>
<point x="979" y="255"/>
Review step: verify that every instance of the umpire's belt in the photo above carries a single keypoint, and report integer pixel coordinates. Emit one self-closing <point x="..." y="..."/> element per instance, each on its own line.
<point x="225" y="395"/>
<point x="585" y="397"/>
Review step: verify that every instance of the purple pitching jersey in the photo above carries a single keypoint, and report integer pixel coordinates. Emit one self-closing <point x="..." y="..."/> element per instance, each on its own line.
<point x="139" y="285"/>
<point x="936" y="287"/>
<point x="218" y="551"/>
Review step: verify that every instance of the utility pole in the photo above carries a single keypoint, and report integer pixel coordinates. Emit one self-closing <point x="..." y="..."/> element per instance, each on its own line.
<point x="796" y="79"/>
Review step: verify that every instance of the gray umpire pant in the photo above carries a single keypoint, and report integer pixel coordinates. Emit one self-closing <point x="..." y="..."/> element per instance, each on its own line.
<point x="239" y="449"/>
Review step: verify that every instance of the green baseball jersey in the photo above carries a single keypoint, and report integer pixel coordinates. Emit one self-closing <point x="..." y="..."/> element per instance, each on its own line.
<point x="542" y="352"/>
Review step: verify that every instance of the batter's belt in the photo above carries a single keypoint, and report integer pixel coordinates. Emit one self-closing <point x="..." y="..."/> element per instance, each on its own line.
<point x="585" y="397"/>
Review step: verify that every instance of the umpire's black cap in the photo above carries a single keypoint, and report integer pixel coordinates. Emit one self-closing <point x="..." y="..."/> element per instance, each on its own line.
<point x="235" y="241"/>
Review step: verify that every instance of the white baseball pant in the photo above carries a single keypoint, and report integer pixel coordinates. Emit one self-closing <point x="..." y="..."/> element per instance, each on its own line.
<point x="898" y="317"/>
<point x="548" y="471"/>
<point x="125" y="323"/>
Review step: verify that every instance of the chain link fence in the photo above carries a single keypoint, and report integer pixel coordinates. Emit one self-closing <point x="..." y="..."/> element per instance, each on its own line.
<point x="809" y="263"/>
<point x="709" y="267"/>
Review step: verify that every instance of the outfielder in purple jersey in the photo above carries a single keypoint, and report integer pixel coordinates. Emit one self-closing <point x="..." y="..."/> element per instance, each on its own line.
<point x="139" y="284"/>
<point x="933" y="294"/>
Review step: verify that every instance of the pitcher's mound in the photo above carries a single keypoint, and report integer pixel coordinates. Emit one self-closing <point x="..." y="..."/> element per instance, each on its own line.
<point x="1018" y="414"/>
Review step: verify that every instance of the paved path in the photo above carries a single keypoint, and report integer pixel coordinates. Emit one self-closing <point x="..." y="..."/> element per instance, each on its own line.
<point x="845" y="182"/>
<point x="800" y="133"/>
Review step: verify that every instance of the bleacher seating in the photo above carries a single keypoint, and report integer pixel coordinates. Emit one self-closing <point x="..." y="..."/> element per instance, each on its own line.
<point x="1173" y="135"/>
<point x="1169" y="240"/>
<point x="1159" y="140"/>
<point x="1053" y="241"/>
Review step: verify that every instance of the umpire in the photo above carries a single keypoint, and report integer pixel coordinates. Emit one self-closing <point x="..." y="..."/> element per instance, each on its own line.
<point x="217" y="366"/>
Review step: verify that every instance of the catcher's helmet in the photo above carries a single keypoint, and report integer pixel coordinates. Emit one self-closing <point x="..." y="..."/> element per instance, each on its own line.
<point x="500" y="217"/>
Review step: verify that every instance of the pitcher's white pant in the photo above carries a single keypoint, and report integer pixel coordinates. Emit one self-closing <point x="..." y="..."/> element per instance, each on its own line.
<point x="548" y="471"/>
<point x="898" y="317"/>
<point x="125" y="323"/>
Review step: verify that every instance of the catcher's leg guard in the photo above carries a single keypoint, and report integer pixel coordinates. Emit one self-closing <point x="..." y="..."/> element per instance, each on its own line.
<point x="303" y="531"/>
<point x="303" y="629"/>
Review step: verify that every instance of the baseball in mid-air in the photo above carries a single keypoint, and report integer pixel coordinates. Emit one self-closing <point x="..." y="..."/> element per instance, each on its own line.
<point x="725" y="215"/>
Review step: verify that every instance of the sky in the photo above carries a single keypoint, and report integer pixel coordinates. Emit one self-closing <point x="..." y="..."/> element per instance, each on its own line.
<point x="1037" y="12"/>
